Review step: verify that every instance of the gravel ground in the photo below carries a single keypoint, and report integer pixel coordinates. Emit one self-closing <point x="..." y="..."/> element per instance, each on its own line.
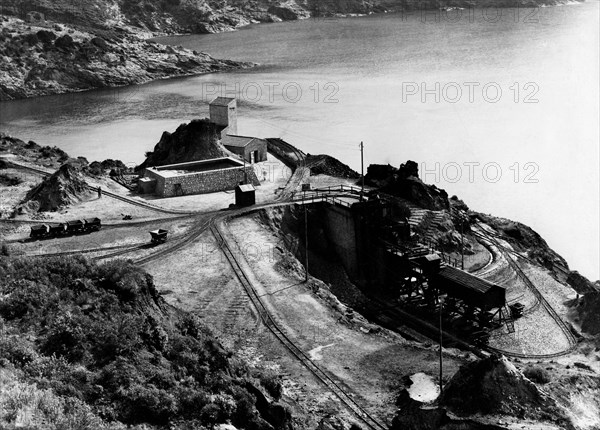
<point x="535" y="333"/>
<point x="556" y="293"/>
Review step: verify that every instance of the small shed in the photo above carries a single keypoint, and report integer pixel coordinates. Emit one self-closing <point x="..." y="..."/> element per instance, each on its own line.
<point x="245" y="195"/>
<point x="252" y="149"/>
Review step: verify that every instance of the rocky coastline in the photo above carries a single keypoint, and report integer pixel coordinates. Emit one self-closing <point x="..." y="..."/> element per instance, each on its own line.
<point x="53" y="48"/>
<point x="39" y="60"/>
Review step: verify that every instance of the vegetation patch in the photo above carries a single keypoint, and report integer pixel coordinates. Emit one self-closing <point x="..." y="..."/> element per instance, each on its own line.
<point x="99" y="343"/>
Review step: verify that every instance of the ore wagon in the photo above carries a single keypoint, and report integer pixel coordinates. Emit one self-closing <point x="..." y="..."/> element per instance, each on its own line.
<point x="158" y="236"/>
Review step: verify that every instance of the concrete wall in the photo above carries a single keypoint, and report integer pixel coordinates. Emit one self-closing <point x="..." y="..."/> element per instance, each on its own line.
<point x="202" y="182"/>
<point x="342" y="234"/>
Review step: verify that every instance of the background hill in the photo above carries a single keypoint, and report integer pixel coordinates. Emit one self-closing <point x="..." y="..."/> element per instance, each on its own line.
<point x="210" y="16"/>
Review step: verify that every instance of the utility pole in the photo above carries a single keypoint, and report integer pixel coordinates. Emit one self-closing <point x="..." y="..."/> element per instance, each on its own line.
<point x="462" y="243"/>
<point x="305" y="244"/>
<point x="441" y="299"/>
<point x="362" y="171"/>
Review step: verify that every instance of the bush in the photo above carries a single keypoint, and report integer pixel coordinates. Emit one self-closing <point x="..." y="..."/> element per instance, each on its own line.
<point x="11" y="181"/>
<point x="537" y="374"/>
<point x="101" y="335"/>
<point x="272" y="383"/>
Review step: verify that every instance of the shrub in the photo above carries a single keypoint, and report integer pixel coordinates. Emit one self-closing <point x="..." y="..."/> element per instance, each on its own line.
<point x="101" y="335"/>
<point x="537" y="374"/>
<point x="9" y="180"/>
<point x="272" y="383"/>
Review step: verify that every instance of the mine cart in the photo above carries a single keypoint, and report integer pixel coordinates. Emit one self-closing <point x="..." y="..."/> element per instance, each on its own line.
<point x="57" y="229"/>
<point x="516" y="310"/>
<point x="38" y="231"/>
<point x="75" y="226"/>
<point x="159" y="236"/>
<point x="92" y="224"/>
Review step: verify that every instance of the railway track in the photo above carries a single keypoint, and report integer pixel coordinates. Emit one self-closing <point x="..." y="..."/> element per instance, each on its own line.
<point x="537" y="303"/>
<point x="549" y="309"/>
<point x="555" y="267"/>
<point x="300" y="169"/>
<point x="272" y="325"/>
<point x="105" y="227"/>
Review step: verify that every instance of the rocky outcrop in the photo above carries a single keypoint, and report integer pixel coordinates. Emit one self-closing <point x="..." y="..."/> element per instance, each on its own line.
<point x="581" y="284"/>
<point x="38" y="61"/>
<point x="327" y="165"/>
<point x="405" y="182"/>
<point x="525" y="239"/>
<point x="588" y="309"/>
<point x="65" y="187"/>
<point x="197" y="140"/>
<point x="491" y="386"/>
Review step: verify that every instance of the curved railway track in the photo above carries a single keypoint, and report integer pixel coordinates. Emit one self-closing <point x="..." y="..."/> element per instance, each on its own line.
<point x="542" y="300"/>
<point x="299" y="171"/>
<point x="502" y="250"/>
<point x="272" y="325"/>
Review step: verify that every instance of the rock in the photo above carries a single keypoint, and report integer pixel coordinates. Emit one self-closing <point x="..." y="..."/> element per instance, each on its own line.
<point x="494" y="386"/>
<point x="110" y="58"/>
<point x="197" y="140"/>
<point x="580" y="283"/>
<point x="100" y="43"/>
<point x="285" y="13"/>
<point x="405" y="182"/>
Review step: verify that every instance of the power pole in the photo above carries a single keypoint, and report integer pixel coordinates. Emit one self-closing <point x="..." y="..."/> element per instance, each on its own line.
<point x="305" y="244"/>
<point x="441" y="338"/>
<point x="462" y="244"/>
<point x="362" y="171"/>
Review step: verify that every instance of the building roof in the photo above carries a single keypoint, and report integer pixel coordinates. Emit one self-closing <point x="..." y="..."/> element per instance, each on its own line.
<point x="246" y="188"/>
<point x="237" y="141"/>
<point x="222" y="101"/>
<point x="464" y="279"/>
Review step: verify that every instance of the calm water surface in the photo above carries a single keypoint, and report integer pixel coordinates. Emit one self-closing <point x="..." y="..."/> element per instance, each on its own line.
<point x="499" y="110"/>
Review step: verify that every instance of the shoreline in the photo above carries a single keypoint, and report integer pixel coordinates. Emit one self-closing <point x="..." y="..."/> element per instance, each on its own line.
<point x="150" y="38"/>
<point x="53" y="59"/>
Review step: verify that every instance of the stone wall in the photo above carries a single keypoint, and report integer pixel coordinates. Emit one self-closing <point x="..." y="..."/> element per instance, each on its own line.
<point x="202" y="182"/>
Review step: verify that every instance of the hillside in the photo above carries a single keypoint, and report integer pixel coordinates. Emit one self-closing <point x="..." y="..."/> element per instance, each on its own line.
<point x="212" y="16"/>
<point x="47" y="59"/>
<point x="196" y="140"/>
<point x="84" y="346"/>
